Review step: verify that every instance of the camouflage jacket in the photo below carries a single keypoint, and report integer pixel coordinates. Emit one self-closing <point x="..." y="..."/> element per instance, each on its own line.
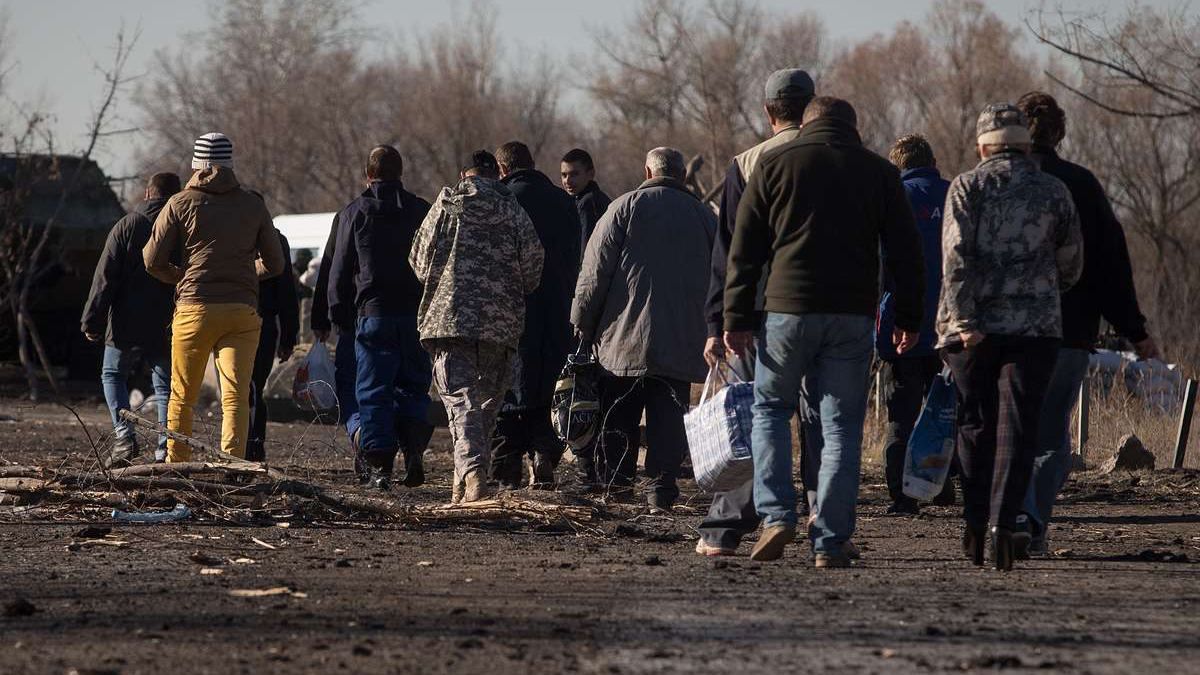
<point x="1010" y="245"/>
<point x="478" y="256"/>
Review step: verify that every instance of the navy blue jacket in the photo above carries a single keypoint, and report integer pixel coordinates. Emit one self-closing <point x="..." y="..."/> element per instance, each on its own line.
<point x="926" y="190"/>
<point x="369" y="274"/>
<point x="731" y="195"/>
<point x="591" y="203"/>
<point x="546" y="340"/>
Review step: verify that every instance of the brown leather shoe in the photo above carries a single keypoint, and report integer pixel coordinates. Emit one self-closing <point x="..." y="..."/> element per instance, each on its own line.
<point x="772" y="541"/>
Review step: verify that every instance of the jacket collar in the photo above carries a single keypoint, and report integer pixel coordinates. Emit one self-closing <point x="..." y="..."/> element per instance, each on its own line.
<point x="531" y="175"/>
<point x="667" y="182"/>
<point x="1012" y="156"/>
<point x="790" y="127"/>
<point x="587" y="190"/>
<point x="920" y="172"/>
<point x="152" y="205"/>
<point x="828" y="130"/>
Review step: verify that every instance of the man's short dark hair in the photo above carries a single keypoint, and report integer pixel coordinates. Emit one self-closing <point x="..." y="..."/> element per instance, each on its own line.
<point x="911" y="152"/>
<point x="788" y="109"/>
<point x="163" y="184"/>
<point x="482" y="163"/>
<point x="385" y="163"/>
<point x="515" y="155"/>
<point x="1047" y="121"/>
<point x="828" y="107"/>
<point x="581" y="157"/>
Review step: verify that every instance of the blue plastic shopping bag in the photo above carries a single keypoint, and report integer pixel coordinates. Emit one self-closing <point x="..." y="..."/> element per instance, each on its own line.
<point x="931" y="445"/>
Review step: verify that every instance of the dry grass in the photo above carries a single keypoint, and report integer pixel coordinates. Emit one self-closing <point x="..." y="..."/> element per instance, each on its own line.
<point x="1111" y="416"/>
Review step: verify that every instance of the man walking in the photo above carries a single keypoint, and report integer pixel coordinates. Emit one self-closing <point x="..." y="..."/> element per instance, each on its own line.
<point x="732" y="514"/>
<point x="578" y="174"/>
<point x="524" y="428"/>
<point x="477" y="255"/>
<point x="225" y="243"/>
<point x="641" y="296"/>
<point x="394" y="372"/>
<point x="909" y="375"/>
<point x="323" y="324"/>
<point x="1011" y="244"/>
<point x="816" y="213"/>
<point x="279" y="308"/>
<point x="1105" y="289"/>
<point x="130" y="312"/>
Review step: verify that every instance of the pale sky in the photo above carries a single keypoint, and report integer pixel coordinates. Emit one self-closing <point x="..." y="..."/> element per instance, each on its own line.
<point x="54" y="43"/>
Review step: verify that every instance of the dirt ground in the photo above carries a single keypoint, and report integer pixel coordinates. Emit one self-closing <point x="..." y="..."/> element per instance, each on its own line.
<point x="1121" y="593"/>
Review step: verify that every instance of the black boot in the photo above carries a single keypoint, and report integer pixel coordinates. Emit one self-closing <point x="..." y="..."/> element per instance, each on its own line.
<point x="379" y="470"/>
<point x="414" y="436"/>
<point x="974" y="539"/>
<point x="1002" y="548"/>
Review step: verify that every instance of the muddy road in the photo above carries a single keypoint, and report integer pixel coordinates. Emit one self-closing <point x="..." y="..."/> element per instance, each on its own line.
<point x="1121" y="592"/>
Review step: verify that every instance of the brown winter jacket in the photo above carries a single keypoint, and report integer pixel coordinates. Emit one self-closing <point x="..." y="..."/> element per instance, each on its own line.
<point x="224" y="239"/>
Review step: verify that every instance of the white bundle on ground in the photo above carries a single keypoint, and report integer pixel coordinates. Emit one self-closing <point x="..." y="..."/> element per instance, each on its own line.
<point x="1157" y="384"/>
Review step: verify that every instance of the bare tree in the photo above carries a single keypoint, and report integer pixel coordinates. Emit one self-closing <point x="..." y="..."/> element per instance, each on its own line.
<point x="1156" y="51"/>
<point x="935" y="78"/>
<point x="29" y="248"/>
<point x="692" y="77"/>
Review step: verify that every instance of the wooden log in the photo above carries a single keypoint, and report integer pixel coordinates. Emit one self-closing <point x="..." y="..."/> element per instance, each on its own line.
<point x="23" y="484"/>
<point x="191" y="468"/>
<point x="22" y="472"/>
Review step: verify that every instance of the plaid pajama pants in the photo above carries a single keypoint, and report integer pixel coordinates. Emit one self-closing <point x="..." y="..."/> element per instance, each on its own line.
<point x="1001" y="383"/>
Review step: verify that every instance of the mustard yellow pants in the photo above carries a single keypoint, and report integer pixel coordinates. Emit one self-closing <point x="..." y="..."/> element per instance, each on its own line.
<point x="230" y="333"/>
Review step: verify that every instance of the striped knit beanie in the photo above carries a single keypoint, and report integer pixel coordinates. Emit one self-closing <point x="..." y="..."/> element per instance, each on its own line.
<point x="212" y="150"/>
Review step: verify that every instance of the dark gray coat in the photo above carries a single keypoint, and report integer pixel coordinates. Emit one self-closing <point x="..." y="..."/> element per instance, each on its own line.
<point x="126" y="305"/>
<point x="644" y="282"/>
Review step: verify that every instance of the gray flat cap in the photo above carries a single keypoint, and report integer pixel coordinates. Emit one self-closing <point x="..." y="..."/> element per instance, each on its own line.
<point x="1002" y="123"/>
<point x="789" y="83"/>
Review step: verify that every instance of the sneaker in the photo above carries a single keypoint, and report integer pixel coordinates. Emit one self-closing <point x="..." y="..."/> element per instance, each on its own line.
<point x="414" y="469"/>
<point x="541" y="472"/>
<point x="1039" y="546"/>
<point x="709" y="551"/>
<point x="378" y="478"/>
<point x="851" y="550"/>
<point x="1022" y="537"/>
<point x="123" y="452"/>
<point x="659" y="503"/>
<point x="475" y="488"/>
<point x="823" y="560"/>
<point x="772" y="541"/>
<point x="904" y="506"/>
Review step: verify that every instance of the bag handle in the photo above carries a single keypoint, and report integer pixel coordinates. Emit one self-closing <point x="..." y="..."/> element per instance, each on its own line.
<point x="713" y="373"/>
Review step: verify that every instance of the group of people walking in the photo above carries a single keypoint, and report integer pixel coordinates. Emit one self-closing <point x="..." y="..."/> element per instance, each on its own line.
<point x="1001" y="275"/>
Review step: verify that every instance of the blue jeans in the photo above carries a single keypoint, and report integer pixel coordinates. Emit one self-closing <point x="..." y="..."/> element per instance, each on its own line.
<point x="114" y="377"/>
<point x="345" y="374"/>
<point x="1052" y="463"/>
<point x="830" y="354"/>
<point x="394" y="374"/>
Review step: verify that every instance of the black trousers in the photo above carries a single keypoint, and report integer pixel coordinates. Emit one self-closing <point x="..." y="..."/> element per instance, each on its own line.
<point x="520" y="434"/>
<point x="622" y="402"/>
<point x="908" y="381"/>
<point x="264" y="360"/>
<point x="1001" y="383"/>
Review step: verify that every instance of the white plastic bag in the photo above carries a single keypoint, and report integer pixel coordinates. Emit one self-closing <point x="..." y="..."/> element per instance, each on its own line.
<point x="718" y="433"/>
<point x="313" y="387"/>
<point x="931" y="445"/>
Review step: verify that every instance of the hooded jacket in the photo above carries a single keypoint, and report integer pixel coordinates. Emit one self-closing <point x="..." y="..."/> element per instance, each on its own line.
<point x="1106" y="286"/>
<point x="547" y="337"/>
<point x="377" y="231"/>
<point x="817" y="211"/>
<point x="128" y="306"/>
<point x="477" y="255"/>
<point x="1010" y="245"/>
<point x="643" y="284"/>
<point x="926" y="190"/>
<point x="223" y="237"/>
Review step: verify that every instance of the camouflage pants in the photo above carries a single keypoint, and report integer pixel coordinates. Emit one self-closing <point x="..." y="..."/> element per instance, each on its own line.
<point x="472" y="377"/>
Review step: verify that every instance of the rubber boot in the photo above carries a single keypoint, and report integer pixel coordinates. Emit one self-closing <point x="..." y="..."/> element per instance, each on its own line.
<point x="414" y="437"/>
